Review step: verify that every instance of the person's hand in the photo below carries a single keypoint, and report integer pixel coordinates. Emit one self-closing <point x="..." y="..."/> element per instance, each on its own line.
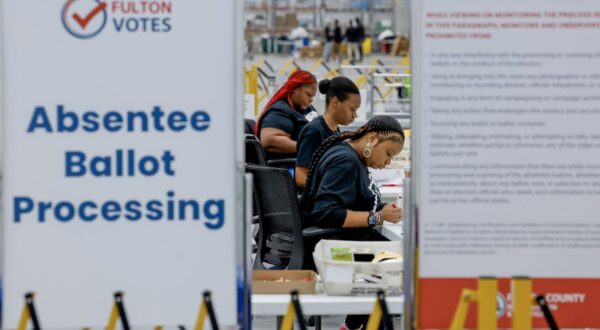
<point x="391" y="213"/>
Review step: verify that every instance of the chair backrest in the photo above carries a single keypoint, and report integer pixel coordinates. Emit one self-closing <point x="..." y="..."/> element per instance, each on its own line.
<point x="254" y="151"/>
<point x="249" y="126"/>
<point x="279" y="217"/>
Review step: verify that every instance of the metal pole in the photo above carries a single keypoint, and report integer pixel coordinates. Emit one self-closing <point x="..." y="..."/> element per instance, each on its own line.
<point x="521" y="288"/>
<point x="247" y="262"/>
<point x="270" y="14"/>
<point x="409" y="250"/>
<point x="487" y="289"/>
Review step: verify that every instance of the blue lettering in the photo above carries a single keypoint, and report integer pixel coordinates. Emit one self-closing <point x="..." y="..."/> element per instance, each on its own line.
<point x="154" y="165"/>
<point x="64" y="206"/>
<point x="21" y="205"/>
<point x="133" y="210"/>
<point x="39" y="114"/>
<point x="119" y="159"/>
<point x="118" y="24"/>
<point x="89" y="211"/>
<point x="90" y="122"/>
<point x="157" y="114"/>
<point x="195" y="209"/>
<point x="144" y="21"/>
<point x="154" y="211"/>
<point x="111" y="211"/>
<point x="44" y="206"/>
<point x="211" y="214"/>
<point x="155" y="25"/>
<point x="74" y="163"/>
<point x="167" y="24"/>
<point x="130" y="162"/>
<point x="168" y="159"/>
<point x="177" y="121"/>
<point x="200" y="121"/>
<point x="132" y="27"/>
<point x="170" y="206"/>
<point x="143" y="118"/>
<point x="100" y="166"/>
<point x="87" y="217"/>
<point x="64" y="118"/>
<point x="113" y="121"/>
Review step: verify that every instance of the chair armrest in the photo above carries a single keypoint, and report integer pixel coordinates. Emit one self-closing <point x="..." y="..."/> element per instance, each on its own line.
<point x="282" y="163"/>
<point x="315" y="231"/>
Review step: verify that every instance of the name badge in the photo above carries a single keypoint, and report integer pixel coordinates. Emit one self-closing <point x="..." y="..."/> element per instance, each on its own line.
<point x="311" y="115"/>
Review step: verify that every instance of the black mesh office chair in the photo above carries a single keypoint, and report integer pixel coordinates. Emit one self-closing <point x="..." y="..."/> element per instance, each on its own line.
<point x="285" y="163"/>
<point x="254" y="151"/>
<point x="282" y="240"/>
<point x="249" y="126"/>
<point x="255" y="154"/>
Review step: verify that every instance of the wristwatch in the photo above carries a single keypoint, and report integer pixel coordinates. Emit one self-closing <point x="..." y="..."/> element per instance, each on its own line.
<point x="374" y="219"/>
<point x="371" y="219"/>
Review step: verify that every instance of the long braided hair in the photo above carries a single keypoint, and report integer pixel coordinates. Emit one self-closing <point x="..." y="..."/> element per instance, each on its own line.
<point x="386" y="127"/>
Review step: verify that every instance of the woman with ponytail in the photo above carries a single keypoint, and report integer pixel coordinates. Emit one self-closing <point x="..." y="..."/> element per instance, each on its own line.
<point x="340" y="192"/>
<point x="342" y="99"/>
<point x="285" y="115"/>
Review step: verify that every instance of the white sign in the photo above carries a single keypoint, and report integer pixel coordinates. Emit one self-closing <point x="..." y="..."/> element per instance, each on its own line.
<point x="508" y="141"/>
<point x="249" y="106"/>
<point x="120" y="164"/>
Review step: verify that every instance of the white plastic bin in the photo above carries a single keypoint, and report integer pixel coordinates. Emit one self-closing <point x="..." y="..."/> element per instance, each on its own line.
<point x="344" y="278"/>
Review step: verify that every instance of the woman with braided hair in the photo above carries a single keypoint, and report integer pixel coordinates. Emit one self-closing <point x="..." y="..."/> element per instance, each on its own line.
<point x="284" y="116"/>
<point x="340" y="192"/>
<point x="342" y="99"/>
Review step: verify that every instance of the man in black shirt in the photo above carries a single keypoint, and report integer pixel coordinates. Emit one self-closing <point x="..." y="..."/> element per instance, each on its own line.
<point x="328" y="42"/>
<point x="337" y="41"/>
<point x="360" y="32"/>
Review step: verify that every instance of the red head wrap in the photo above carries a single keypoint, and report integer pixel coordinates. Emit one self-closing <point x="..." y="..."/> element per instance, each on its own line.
<point x="296" y="79"/>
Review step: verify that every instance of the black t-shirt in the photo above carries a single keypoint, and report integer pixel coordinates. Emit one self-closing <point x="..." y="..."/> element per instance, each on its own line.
<point x="281" y="116"/>
<point x="360" y="32"/>
<point x="337" y="34"/>
<point x="341" y="182"/>
<point x="351" y="34"/>
<point x="310" y="139"/>
<point x="328" y="34"/>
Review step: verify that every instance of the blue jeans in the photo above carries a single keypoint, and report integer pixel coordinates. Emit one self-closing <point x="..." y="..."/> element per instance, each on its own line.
<point x="327" y="50"/>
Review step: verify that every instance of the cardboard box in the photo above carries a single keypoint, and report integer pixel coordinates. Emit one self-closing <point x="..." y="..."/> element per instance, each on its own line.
<point x="401" y="46"/>
<point x="280" y="21"/>
<point x="283" y="281"/>
<point x="311" y="52"/>
<point x="291" y="20"/>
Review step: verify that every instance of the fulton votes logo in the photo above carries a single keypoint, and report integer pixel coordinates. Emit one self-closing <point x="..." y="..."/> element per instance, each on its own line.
<point x="85" y="19"/>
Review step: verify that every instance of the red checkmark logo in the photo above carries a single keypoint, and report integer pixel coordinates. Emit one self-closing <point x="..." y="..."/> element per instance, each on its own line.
<point x="83" y="22"/>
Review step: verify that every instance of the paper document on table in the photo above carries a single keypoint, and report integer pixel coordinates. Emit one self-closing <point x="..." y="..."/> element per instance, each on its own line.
<point x="399" y="224"/>
<point x="388" y="177"/>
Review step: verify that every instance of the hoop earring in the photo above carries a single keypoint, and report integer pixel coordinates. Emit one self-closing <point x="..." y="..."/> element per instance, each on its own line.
<point x="367" y="150"/>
